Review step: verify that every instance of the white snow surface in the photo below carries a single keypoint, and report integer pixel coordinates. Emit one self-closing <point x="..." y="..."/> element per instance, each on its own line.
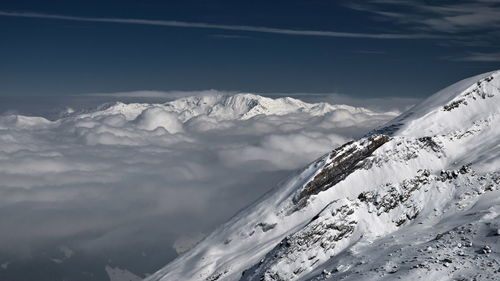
<point x="420" y="203"/>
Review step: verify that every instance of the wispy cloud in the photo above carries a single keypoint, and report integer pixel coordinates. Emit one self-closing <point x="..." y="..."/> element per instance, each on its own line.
<point x="230" y="36"/>
<point x="478" y="57"/>
<point x="471" y="24"/>
<point x="247" y="28"/>
<point x="445" y="16"/>
<point x="369" y="52"/>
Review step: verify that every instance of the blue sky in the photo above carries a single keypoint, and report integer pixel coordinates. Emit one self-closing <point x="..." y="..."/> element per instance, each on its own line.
<point x="359" y="48"/>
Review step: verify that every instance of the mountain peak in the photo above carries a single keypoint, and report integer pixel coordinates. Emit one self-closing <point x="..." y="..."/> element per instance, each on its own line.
<point x="452" y="108"/>
<point x="242" y="106"/>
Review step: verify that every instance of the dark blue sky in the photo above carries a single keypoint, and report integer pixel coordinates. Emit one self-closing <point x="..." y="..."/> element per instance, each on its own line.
<point x="384" y="48"/>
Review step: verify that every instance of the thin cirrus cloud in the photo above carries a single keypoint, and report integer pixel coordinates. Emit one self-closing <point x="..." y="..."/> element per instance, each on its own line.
<point x="450" y="17"/>
<point x="465" y="23"/>
<point x="478" y="57"/>
<point x="246" y="28"/>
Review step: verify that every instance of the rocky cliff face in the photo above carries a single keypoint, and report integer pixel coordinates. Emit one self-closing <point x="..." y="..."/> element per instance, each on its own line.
<point x="417" y="198"/>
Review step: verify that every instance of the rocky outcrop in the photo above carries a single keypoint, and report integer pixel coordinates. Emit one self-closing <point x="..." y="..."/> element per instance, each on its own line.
<point x="343" y="162"/>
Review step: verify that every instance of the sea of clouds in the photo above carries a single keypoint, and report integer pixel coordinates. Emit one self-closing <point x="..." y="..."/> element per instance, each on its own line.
<point x="138" y="185"/>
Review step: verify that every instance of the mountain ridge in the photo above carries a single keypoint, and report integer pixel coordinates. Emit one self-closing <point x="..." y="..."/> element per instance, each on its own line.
<point x="227" y="106"/>
<point x="389" y="189"/>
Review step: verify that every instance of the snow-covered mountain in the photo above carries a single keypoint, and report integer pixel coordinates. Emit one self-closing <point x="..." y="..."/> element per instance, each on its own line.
<point x="417" y="199"/>
<point x="217" y="107"/>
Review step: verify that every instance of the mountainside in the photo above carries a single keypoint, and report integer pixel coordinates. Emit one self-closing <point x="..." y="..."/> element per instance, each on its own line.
<point x="417" y="199"/>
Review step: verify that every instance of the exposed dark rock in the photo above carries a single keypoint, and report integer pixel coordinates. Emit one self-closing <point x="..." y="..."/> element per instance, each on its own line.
<point x="393" y="196"/>
<point x="266" y="226"/>
<point x="475" y="92"/>
<point x="336" y="224"/>
<point x="486" y="249"/>
<point x="454" y="104"/>
<point x="344" y="161"/>
<point x="215" y="276"/>
<point x="429" y="142"/>
<point x="465" y="169"/>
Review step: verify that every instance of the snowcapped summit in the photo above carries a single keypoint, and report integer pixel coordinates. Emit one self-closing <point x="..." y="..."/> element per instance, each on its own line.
<point x="203" y="112"/>
<point x="220" y="106"/>
<point x="452" y="108"/>
<point x="418" y="198"/>
<point x="245" y="106"/>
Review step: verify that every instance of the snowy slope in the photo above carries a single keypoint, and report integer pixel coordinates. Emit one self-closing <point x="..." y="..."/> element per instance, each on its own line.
<point x="419" y="197"/>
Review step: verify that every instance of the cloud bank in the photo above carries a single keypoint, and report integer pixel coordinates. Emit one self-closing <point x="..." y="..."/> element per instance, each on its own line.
<point x="126" y="179"/>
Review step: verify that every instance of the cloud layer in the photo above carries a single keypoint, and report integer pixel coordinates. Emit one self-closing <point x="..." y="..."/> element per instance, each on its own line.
<point x="147" y="178"/>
